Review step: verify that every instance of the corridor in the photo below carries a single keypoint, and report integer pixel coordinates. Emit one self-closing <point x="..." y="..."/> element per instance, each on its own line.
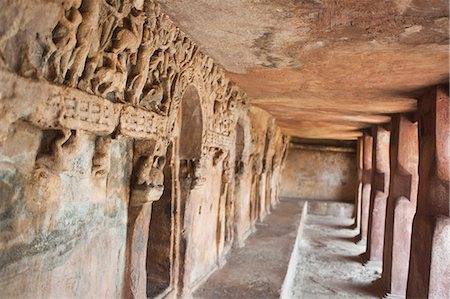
<point x="258" y="269"/>
<point x="327" y="262"/>
<point x="210" y="149"/>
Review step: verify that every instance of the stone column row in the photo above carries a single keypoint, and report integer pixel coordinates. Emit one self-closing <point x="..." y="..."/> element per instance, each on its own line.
<point x="406" y="220"/>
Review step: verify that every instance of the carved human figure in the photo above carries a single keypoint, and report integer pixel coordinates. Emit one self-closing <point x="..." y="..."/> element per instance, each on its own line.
<point x="85" y="41"/>
<point x="139" y="73"/>
<point x="101" y="161"/>
<point x="64" y="37"/>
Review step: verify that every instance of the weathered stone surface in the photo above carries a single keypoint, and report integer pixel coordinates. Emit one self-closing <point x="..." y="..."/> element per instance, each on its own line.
<point x="366" y="185"/>
<point x="379" y="194"/>
<point x="317" y="173"/>
<point x="360" y="170"/>
<point x="430" y="262"/>
<point x="324" y="69"/>
<point x="401" y="204"/>
<point x="55" y="226"/>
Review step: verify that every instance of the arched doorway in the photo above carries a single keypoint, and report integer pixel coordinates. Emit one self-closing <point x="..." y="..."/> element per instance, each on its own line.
<point x="166" y="243"/>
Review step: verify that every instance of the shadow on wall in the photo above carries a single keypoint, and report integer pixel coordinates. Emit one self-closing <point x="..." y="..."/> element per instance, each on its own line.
<point x="317" y="173"/>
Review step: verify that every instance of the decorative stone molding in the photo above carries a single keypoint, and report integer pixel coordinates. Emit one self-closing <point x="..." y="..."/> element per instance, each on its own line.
<point x="140" y="124"/>
<point x="89" y="114"/>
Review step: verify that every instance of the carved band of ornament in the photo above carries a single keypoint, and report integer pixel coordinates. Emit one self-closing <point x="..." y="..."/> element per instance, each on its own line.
<point x="55" y="107"/>
<point x="88" y="114"/>
<point x="141" y="124"/>
<point x="214" y="139"/>
<point x="98" y="116"/>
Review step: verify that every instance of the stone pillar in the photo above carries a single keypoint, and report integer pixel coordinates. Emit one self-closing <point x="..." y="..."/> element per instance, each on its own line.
<point x="359" y="165"/>
<point x="401" y="205"/>
<point x="430" y="246"/>
<point x="366" y="185"/>
<point x="139" y="215"/>
<point x="147" y="186"/>
<point x="378" y="195"/>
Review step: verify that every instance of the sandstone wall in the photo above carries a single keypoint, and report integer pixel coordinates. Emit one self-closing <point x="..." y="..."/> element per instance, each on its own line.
<point x="129" y="164"/>
<point x="319" y="174"/>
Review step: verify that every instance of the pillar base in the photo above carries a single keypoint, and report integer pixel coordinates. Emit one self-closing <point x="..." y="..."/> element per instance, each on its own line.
<point x="393" y="296"/>
<point x="373" y="264"/>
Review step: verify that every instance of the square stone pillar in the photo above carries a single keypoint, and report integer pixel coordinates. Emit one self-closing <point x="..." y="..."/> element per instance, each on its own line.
<point x="366" y="185"/>
<point x="139" y="216"/>
<point x="378" y="195"/>
<point x="429" y="274"/>
<point x="359" y="165"/>
<point x="401" y="205"/>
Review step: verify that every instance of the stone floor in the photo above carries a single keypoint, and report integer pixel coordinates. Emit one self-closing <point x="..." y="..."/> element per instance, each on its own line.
<point x="329" y="263"/>
<point x="258" y="269"/>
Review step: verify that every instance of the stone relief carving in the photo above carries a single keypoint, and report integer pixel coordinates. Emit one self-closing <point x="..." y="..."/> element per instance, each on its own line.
<point x="57" y="151"/>
<point x="148" y="181"/>
<point x="141" y="124"/>
<point x="63" y="41"/>
<point x="136" y="64"/>
<point x="88" y="114"/>
<point x="101" y="161"/>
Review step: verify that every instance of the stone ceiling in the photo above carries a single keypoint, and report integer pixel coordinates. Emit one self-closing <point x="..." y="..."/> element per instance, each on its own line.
<point x="325" y="69"/>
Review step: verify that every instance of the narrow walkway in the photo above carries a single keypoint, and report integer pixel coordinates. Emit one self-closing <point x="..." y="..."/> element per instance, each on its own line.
<point x="258" y="269"/>
<point x="329" y="264"/>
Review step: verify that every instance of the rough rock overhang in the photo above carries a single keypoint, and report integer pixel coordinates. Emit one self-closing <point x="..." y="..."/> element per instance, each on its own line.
<point x="324" y="69"/>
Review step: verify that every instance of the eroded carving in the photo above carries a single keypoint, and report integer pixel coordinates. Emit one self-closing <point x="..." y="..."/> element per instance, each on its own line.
<point x="101" y="161"/>
<point x="64" y="40"/>
<point x="89" y="114"/>
<point x="57" y="151"/>
<point x="141" y="124"/>
<point x="148" y="182"/>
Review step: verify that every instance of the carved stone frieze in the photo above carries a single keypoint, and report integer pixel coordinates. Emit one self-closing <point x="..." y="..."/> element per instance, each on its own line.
<point x="101" y="161"/>
<point x="88" y="114"/>
<point x="141" y="124"/>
